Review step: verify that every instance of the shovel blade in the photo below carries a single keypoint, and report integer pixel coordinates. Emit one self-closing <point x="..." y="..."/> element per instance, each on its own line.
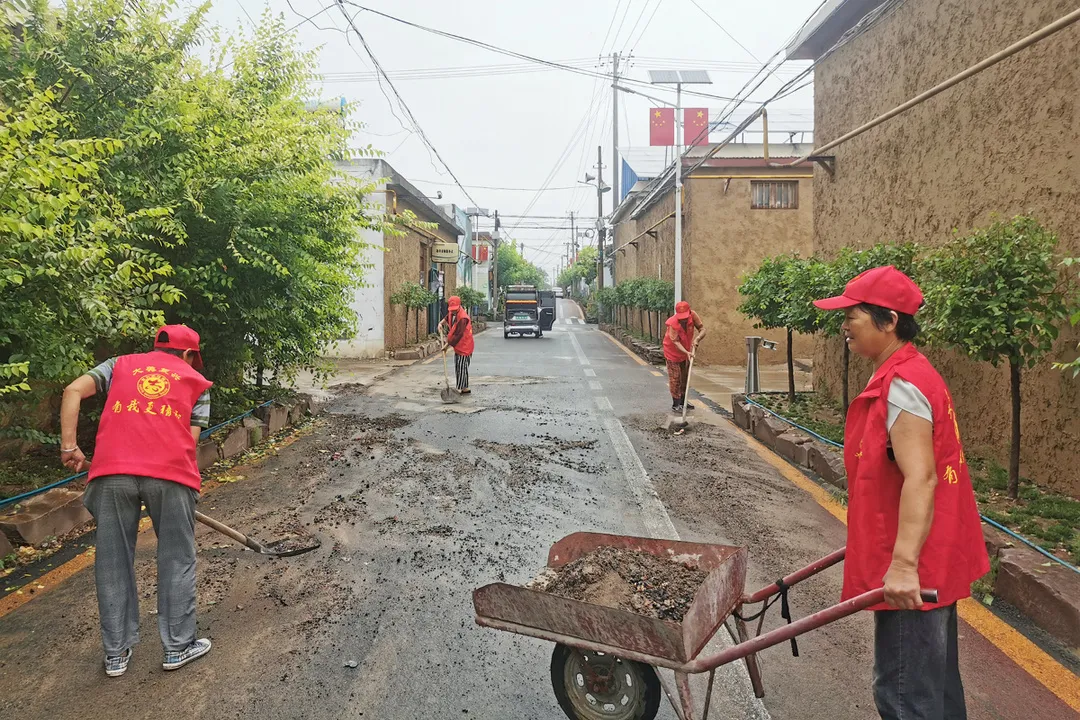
<point x="449" y="395"/>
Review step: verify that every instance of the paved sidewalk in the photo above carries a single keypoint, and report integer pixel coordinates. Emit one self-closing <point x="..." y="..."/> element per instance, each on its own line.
<point x="348" y="372"/>
<point x="719" y="382"/>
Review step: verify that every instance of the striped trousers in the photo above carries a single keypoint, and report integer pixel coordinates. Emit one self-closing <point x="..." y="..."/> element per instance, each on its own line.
<point x="461" y="371"/>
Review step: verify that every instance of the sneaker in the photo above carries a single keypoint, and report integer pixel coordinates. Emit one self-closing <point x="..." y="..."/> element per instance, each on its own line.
<point x="180" y="658"/>
<point x="689" y="406"/>
<point x="676" y="408"/>
<point x="466" y="391"/>
<point x="115" y="666"/>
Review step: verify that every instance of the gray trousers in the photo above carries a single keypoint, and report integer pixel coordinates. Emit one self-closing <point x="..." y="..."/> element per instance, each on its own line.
<point x="916" y="665"/>
<point x="116" y="502"/>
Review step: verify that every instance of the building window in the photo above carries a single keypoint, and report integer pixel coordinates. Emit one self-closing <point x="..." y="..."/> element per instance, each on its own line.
<point x="780" y="195"/>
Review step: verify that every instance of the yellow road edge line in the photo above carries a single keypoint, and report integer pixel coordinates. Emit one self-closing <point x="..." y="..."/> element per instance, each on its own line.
<point x="52" y="579"/>
<point x="1038" y="664"/>
<point x="657" y="373"/>
<point x="429" y="360"/>
<point x="626" y="350"/>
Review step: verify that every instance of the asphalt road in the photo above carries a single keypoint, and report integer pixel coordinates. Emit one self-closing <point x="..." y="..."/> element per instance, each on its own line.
<point x="417" y="504"/>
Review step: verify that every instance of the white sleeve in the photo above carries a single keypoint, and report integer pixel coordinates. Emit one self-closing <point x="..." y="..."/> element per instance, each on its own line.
<point x="905" y="396"/>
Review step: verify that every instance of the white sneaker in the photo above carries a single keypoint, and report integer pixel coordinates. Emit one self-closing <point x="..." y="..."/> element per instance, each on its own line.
<point x="194" y="651"/>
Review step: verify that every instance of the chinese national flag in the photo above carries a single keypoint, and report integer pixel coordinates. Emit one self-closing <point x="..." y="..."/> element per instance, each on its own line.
<point x="695" y="126"/>
<point x="662" y="126"/>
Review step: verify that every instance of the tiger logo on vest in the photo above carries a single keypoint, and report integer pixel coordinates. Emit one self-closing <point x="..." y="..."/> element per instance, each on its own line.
<point x="153" y="386"/>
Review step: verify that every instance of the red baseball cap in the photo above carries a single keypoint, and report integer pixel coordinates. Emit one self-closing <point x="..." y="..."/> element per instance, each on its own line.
<point x="682" y="310"/>
<point x="179" y="337"/>
<point x="884" y="286"/>
<point x="453" y="303"/>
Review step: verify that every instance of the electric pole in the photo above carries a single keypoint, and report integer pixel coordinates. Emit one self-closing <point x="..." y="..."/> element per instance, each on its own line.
<point x="573" y="239"/>
<point x="600" y="216"/>
<point x="616" y="167"/>
<point x="495" y="281"/>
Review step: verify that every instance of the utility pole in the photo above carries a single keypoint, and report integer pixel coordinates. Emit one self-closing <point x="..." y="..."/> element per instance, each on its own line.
<point x="616" y="166"/>
<point x="573" y="239"/>
<point x="600" y="214"/>
<point x="678" y="191"/>
<point x="495" y="274"/>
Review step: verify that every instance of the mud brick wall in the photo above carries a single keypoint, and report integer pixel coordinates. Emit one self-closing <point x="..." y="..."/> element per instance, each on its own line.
<point x="1004" y="141"/>
<point x="723" y="238"/>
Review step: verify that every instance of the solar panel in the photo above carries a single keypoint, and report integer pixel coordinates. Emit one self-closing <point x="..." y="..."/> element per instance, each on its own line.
<point x="694" y="77"/>
<point x="663" y="76"/>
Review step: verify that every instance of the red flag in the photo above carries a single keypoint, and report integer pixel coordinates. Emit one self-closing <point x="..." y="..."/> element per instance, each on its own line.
<point x="695" y="126"/>
<point x="662" y="126"/>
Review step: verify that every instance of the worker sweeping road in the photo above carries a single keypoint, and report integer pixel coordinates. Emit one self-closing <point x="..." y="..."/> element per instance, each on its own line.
<point x="912" y="518"/>
<point x="157" y="404"/>
<point x="459" y="335"/>
<point x="684" y="331"/>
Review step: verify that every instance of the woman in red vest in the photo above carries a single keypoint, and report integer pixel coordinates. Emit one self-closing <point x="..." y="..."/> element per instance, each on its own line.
<point x="684" y="332"/>
<point x="460" y="337"/>
<point x="912" y="518"/>
<point x="157" y="403"/>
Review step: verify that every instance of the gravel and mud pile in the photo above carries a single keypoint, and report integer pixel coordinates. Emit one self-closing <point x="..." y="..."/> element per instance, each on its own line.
<point x="628" y="580"/>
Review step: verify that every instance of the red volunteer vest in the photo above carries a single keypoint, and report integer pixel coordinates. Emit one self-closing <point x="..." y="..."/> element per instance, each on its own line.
<point x="954" y="554"/>
<point x="145" y="427"/>
<point x="465" y="345"/>
<point x="686" y="337"/>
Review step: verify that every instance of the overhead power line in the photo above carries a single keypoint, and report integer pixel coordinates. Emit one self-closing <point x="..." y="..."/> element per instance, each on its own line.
<point x="515" y="54"/>
<point x="404" y="106"/>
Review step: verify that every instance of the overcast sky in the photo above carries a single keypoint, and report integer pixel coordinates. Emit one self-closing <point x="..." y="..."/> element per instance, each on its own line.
<point x="513" y="126"/>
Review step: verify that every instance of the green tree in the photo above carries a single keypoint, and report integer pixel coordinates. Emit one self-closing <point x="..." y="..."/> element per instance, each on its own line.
<point x="767" y="298"/>
<point x="999" y="295"/>
<point x="415" y="297"/>
<point x="470" y="299"/>
<point x="259" y="231"/>
<point x="70" y="275"/>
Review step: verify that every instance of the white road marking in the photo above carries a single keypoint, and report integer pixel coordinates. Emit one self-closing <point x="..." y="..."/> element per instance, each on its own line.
<point x="577" y="349"/>
<point x="595" y="385"/>
<point x="589" y="372"/>
<point x="733" y="681"/>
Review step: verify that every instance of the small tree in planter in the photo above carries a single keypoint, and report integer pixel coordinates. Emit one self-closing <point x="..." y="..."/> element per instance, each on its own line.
<point x="999" y="295"/>
<point x="661" y="301"/>
<point x="415" y="297"/>
<point x="470" y="299"/>
<point x="764" y="295"/>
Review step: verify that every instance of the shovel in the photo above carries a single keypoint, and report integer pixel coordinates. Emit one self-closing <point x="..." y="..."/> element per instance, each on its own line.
<point x="679" y="426"/>
<point x="448" y="394"/>
<point x="254" y="544"/>
<point x="250" y="543"/>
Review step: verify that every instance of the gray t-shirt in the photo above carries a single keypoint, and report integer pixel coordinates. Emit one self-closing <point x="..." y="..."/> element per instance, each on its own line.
<point x="903" y="396"/>
<point x="102" y="374"/>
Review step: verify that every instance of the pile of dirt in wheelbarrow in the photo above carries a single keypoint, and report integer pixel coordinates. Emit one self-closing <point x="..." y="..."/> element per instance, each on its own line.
<point x="635" y="581"/>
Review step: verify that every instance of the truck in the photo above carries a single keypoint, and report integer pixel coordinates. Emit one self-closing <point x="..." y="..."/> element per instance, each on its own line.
<point x="528" y="311"/>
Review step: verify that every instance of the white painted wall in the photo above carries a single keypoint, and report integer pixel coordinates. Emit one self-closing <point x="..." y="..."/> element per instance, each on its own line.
<point x="369" y="341"/>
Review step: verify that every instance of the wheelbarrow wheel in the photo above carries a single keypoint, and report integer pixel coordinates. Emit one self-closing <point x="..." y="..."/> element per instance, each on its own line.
<point x="597" y="686"/>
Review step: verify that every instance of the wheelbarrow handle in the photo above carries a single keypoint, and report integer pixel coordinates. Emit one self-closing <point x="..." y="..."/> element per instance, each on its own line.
<point x="802" y="625"/>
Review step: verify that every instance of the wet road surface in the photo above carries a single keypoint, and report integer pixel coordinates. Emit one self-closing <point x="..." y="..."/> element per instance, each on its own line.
<point x="417" y="504"/>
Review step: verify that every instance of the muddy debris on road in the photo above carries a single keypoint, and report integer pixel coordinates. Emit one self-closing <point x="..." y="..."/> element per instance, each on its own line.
<point x="639" y="582"/>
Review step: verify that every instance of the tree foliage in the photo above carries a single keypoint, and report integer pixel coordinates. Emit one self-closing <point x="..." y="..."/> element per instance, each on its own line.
<point x="140" y="184"/>
<point x="514" y="269"/>
<point x="999" y="296"/>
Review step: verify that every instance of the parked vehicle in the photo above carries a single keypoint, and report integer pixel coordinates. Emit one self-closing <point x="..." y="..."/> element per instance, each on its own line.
<point x="526" y="313"/>
<point x="558" y="292"/>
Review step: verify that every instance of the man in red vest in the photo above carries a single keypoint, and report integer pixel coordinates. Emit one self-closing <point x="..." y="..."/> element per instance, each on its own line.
<point x="684" y="332"/>
<point x="459" y="336"/>
<point x="912" y="518"/>
<point x="157" y="404"/>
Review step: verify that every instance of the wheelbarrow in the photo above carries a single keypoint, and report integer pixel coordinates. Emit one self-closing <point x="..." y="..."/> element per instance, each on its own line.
<point x="605" y="665"/>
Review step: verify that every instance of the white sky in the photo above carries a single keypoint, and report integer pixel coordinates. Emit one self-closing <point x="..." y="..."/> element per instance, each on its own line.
<point x="511" y="130"/>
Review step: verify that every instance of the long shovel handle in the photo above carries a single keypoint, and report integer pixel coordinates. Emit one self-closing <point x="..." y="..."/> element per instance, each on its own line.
<point x="228" y="531"/>
<point x="445" y="371"/>
<point x="686" y="392"/>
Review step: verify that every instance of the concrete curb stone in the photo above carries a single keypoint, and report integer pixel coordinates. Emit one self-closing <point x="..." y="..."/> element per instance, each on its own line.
<point x="51" y="514"/>
<point x="1042" y="590"/>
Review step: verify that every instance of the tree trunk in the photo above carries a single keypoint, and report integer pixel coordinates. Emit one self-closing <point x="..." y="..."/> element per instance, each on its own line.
<point x="790" y="371"/>
<point x="844" y="377"/>
<point x="416" y="322"/>
<point x="1014" y="449"/>
<point x="259" y="375"/>
<point x="650" y="327"/>
<point x="405" y="337"/>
